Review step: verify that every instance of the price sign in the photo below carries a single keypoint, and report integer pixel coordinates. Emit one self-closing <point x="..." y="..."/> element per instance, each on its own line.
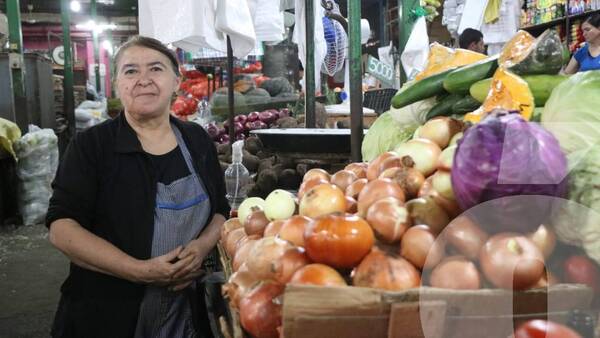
<point x="380" y="70"/>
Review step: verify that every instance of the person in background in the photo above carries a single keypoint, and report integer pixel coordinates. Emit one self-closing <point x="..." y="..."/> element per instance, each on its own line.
<point x="588" y="56"/>
<point x="472" y="39"/>
<point x="137" y="207"/>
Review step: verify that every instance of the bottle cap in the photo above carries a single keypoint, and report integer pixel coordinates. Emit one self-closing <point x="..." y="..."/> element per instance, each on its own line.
<point x="237" y="151"/>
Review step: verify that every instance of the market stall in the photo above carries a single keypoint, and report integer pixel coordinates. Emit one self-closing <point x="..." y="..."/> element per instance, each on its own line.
<point x="469" y="217"/>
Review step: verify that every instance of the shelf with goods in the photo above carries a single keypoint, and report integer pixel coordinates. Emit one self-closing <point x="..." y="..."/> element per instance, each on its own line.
<point x="394" y="198"/>
<point x="562" y="16"/>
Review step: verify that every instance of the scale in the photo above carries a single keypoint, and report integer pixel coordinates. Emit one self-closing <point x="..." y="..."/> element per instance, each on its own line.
<point x="324" y="148"/>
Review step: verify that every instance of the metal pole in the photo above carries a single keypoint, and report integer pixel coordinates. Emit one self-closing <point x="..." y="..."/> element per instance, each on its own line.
<point x="230" y="91"/>
<point x="68" y="99"/>
<point x="109" y="38"/>
<point x="382" y="6"/>
<point x="355" y="62"/>
<point x="309" y="69"/>
<point x="16" y="61"/>
<point x="96" y="47"/>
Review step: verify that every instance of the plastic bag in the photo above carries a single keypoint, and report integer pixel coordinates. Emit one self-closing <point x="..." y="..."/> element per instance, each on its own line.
<point x="268" y="20"/>
<point x="414" y="57"/>
<point x="195" y="26"/>
<point x="37" y="153"/>
<point x="300" y="38"/>
<point x="9" y="133"/>
<point x="234" y="19"/>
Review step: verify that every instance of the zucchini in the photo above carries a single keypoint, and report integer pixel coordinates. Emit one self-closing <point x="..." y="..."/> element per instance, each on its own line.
<point x="465" y="105"/>
<point x="444" y="107"/>
<point x="421" y="90"/>
<point x="460" y="80"/>
<point x="541" y="87"/>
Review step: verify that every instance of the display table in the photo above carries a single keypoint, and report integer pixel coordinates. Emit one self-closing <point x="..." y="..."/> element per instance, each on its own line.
<point x="341" y="113"/>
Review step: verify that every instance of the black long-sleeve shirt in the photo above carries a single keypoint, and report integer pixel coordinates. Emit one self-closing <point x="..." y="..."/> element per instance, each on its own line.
<point x="106" y="182"/>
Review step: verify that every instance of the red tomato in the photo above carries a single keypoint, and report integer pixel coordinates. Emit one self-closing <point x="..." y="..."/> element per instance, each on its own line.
<point x="582" y="270"/>
<point x="179" y="105"/>
<point x="199" y="90"/>
<point x="544" y="329"/>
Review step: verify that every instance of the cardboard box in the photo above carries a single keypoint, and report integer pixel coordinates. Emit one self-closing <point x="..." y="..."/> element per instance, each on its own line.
<point x="426" y="312"/>
<point x="317" y="312"/>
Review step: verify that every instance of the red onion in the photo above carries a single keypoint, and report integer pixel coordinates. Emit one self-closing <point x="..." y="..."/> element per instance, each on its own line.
<point x="240" y="118"/>
<point x="224" y="138"/>
<point x="267" y="117"/>
<point x="253" y="116"/>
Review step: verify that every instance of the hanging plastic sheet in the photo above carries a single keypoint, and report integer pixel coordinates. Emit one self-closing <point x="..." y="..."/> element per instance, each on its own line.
<point x="416" y="51"/>
<point x="187" y="24"/>
<point x="268" y="20"/>
<point x="319" y="43"/>
<point x="472" y="16"/>
<point x="234" y="19"/>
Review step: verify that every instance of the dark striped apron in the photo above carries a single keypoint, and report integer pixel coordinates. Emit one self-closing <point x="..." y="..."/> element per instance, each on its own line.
<point x="182" y="210"/>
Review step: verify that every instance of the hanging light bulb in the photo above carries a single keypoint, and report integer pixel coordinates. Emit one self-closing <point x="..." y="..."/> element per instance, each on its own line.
<point x="75" y="6"/>
<point x="107" y="46"/>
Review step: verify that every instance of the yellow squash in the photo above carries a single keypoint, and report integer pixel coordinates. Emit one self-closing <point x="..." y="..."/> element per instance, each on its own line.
<point x="516" y="50"/>
<point x="508" y="91"/>
<point x="442" y="58"/>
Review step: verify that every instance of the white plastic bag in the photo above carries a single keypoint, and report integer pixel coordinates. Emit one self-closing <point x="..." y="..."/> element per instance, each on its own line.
<point x="414" y="57"/>
<point x="188" y="24"/>
<point x="37" y="153"/>
<point x="234" y="19"/>
<point x="268" y="20"/>
<point x="300" y="38"/>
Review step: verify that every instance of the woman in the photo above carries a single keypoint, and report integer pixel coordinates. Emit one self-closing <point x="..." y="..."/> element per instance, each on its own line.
<point x="587" y="57"/>
<point x="137" y="206"/>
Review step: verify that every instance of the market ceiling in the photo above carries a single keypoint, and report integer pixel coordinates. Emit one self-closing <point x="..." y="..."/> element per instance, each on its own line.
<point x="117" y="8"/>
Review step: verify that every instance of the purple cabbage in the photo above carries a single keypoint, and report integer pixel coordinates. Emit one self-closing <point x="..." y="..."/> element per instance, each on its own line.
<point x="506" y="156"/>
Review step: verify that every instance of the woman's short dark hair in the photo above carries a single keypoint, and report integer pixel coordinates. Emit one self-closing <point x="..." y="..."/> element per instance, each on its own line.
<point x="593" y="20"/>
<point x="469" y="36"/>
<point x="151" y="43"/>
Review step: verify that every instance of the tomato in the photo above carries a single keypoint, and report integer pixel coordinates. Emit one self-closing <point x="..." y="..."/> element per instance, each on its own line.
<point x="544" y="329"/>
<point x="582" y="270"/>
<point x="179" y="106"/>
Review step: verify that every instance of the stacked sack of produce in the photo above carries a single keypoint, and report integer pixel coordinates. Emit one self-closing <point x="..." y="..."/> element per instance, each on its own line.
<point x="37" y="154"/>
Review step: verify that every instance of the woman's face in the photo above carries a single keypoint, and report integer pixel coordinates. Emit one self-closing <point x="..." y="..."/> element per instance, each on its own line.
<point x="145" y="82"/>
<point x="590" y="33"/>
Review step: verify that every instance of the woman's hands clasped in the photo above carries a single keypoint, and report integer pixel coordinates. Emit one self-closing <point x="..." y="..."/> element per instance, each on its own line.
<point x="176" y="269"/>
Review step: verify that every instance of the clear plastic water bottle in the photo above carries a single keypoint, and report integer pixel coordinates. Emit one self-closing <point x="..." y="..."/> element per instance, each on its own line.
<point x="236" y="177"/>
<point x="204" y="113"/>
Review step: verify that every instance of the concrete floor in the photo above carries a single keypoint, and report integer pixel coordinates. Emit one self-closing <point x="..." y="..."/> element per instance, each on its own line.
<point x="31" y="272"/>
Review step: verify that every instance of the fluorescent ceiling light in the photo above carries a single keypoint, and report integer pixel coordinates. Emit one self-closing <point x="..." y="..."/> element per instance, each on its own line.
<point x="98" y="28"/>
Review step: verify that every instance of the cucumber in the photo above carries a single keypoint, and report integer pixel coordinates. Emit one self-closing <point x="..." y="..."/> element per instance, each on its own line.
<point x="444" y="107"/>
<point x="541" y="87"/>
<point x="465" y="105"/>
<point x="421" y="90"/>
<point x="460" y="80"/>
